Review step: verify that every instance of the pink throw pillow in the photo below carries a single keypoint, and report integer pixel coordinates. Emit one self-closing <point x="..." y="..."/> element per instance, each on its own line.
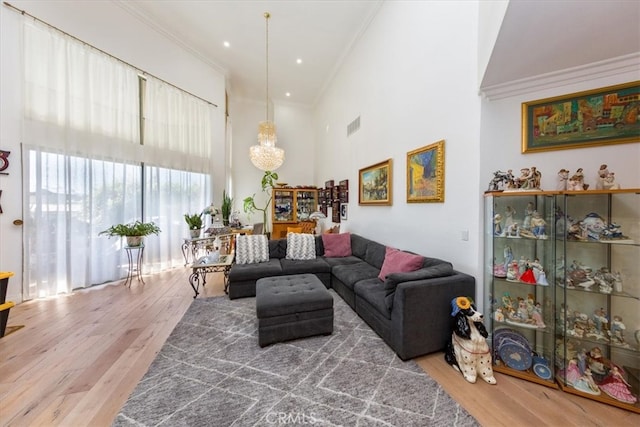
<point x="397" y="261"/>
<point x="337" y="245"/>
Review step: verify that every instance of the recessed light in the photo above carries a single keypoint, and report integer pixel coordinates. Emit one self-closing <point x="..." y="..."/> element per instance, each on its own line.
<point x="298" y="61"/>
<point x="288" y="94"/>
<point x="226" y="44"/>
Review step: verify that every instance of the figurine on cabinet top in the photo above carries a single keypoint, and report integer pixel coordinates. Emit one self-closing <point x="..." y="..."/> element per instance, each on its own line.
<point x="603" y="172"/>
<point x="576" y="182"/>
<point x="610" y="182"/>
<point x="501" y="181"/>
<point x="606" y="180"/>
<point x="561" y="179"/>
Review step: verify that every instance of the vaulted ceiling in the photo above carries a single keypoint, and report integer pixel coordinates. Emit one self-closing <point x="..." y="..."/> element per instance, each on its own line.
<point x="536" y="38"/>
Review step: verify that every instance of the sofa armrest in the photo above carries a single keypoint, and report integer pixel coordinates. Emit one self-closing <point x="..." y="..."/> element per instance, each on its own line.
<point x="420" y="319"/>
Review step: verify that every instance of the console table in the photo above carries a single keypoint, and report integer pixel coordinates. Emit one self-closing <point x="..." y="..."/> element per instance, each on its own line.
<point x="192" y="247"/>
<point x="199" y="274"/>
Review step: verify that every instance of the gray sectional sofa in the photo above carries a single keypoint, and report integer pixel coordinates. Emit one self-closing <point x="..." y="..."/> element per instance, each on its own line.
<point x="410" y="311"/>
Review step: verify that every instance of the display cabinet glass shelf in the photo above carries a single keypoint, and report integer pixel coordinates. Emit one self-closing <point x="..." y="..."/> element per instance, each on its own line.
<point x="520" y="274"/>
<point x="598" y="280"/>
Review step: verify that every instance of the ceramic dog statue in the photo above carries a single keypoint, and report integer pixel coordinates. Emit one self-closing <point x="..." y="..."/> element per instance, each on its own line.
<point x="468" y="351"/>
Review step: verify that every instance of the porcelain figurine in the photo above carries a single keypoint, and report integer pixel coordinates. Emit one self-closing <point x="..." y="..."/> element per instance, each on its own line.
<point x="513" y="272"/>
<point x="561" y="179"/>
<point x="538" y="225"/>
<point x="501" y="181"/>
<point x="617" y="387"/>
<point x="617" y="330"/>
<point x="497" y="225"/>
<point x="509" y="213"/>
<point x="508" y="256"/>
<point x="537" y="316"/>
<point x="528" y="213"/>
<point x="603" y="172"/>
<point x="610" y="182"/>
<point x="572" y="373"/>
<point x="586" y="383"/>
<point x="595" y="226"/>
<point x="576" y="182"/>
<point x="513" y="230"/>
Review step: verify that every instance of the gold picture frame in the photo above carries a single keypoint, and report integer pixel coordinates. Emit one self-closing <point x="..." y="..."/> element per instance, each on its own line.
<point x="425" y="174"/>
<point x="374" y="184"/>
<point x="598" y="117"/>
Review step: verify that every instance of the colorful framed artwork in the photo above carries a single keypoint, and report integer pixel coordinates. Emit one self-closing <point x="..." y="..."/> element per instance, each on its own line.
<point x="374" y="184"/>
<point x="609" y="115"/>
<point x="425" y="174"/>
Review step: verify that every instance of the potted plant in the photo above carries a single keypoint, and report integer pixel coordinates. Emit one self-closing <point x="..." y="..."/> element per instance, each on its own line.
<point x="268" y="181"/>
<point x="227" y="203"/>
<point x="134" y="232"/>
<point x="194" y="222"/>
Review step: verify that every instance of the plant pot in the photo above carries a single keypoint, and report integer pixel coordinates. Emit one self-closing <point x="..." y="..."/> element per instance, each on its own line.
<point x="134" y="240"/>
<point x="195" y="233"/>
<point x="225" y="222"/>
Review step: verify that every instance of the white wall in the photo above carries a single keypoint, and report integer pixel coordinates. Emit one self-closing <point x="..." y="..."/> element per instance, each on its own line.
<point x="295" y="136"/>
<point x="111" y="28"/>
<point x="412" y="78"/>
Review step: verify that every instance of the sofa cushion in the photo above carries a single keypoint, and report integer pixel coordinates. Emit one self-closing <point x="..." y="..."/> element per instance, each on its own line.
<point x="373" y="292"/>
<point x="349" y="274"/>
<point x="252" y="249"/>
<point x="337" y="245"/>
<point x="301" y="246"/>
<point x="294" y="266"/>
<point x="359" y="245"/>
<point x="244" y="272"/>
<point x="375" y="254"/>
<point x="393" y="279"/>
<point x="397" y="261"/>
<point x="278" y="248"/>
<point x="346" y="260"/>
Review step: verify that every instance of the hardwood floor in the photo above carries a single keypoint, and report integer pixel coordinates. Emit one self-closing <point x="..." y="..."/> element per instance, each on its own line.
<point x="78" y="358"/>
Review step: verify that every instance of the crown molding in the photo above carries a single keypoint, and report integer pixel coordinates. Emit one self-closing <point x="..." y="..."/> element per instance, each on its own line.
<point x="607" y="68"/>
<point x="133" y="10"/>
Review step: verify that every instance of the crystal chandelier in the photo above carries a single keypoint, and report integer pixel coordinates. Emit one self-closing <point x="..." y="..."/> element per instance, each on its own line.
<point x="266" y="156"/>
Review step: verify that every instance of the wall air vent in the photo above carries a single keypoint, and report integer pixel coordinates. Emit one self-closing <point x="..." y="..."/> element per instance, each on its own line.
<point x="353" y="126"/>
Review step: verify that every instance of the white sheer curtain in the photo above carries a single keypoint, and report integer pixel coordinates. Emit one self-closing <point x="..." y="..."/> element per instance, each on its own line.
<point x="80" y="123"/>
<point x="86" y="169"/>
<point x="178" y="145"/>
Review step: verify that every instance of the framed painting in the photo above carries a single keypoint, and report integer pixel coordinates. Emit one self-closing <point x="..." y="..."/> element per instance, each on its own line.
<point x="609" y="115"/>
<point x="343" y="211"/>
<point x="425" y="174"/>
<point x="374" y="184"/>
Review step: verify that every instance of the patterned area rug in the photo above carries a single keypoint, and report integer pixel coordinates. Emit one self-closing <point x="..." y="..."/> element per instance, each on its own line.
<point x="211" y="372"/>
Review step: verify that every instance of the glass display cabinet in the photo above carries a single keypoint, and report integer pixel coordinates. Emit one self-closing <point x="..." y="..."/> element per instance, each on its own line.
<point x="562" y="282"/>
<point x="520" y="308"/>
<point x="290" y="206"/>
<point x="598" y="279"/>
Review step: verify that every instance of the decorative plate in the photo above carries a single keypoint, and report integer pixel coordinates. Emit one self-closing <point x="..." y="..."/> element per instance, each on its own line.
<point x="515" y="357"/>
<point x="507" y="335"/>
<point x="542" y="370"/>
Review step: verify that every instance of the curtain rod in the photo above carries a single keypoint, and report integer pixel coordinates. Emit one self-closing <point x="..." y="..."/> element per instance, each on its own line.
<point x="24" y="13"/>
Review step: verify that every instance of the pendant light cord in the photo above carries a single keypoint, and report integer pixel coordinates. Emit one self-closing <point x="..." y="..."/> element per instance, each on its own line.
<point x="267" y="15"/>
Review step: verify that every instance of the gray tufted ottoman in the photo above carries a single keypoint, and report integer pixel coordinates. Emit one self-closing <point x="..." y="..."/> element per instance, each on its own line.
<point x="290" y="307"/>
